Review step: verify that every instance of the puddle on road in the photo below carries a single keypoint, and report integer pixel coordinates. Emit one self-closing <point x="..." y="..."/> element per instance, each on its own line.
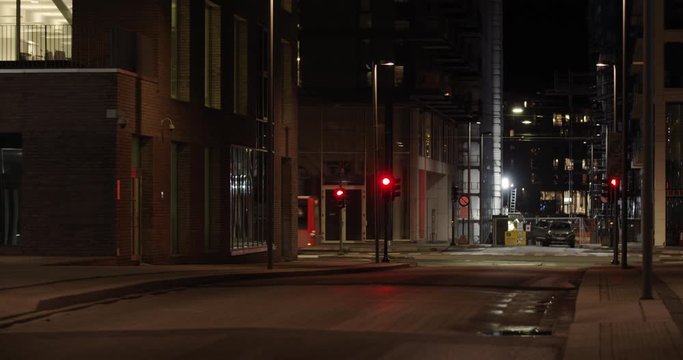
<point x="517" y="331"/>
<point x="525" y="313"/>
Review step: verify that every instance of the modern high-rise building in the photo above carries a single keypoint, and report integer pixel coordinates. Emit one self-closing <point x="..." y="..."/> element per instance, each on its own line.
<point x="410" y="89"/>
<point x="668" y="106"/>
<point x="144" y="130"/>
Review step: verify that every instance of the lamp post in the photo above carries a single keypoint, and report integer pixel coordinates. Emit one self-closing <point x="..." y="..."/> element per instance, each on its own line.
<point x="270" y="146"/>
<point x="375" y="118"/>
<point x="615" y="240"/>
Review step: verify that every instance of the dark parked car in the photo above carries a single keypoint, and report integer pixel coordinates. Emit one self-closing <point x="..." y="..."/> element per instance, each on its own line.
<point x="538" y="232"/>
<point x="560" y="232"/>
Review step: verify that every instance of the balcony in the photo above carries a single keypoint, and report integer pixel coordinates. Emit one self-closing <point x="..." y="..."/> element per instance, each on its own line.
<point x="53" y="46"/>
<point x="35" y="45"/>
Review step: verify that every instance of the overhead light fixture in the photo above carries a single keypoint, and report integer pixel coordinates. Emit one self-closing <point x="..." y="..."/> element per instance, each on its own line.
<point x="517" y="110"/>
<point x="526" y="122"/>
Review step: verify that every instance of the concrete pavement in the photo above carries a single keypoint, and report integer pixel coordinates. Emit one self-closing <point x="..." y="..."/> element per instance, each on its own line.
<point x="32" y="287"/>
<point x="611" y="322"/>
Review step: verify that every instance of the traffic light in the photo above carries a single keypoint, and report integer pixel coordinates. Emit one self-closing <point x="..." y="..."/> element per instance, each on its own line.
<point x="340" y="196"/>
<point x="454" y="193"/>
<point x="386" y="185"/>
<point x="396" y="188"/>
<point x="604" y="191"/>
<point x="614" y="183"/>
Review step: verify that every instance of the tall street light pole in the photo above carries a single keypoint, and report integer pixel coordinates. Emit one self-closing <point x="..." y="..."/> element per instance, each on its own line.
<point x="388" y="160"/>
<point x="648" y="151"/>
<point x="613" y="237"/>
<point x="375" y="157"/>
<point x="625" y="122"/>
<point x="270" y="236"/>
<point x="375" y="118"/>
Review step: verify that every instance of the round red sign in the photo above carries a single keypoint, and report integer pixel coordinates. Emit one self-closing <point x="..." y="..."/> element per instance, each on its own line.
<point x="464" y="200"/>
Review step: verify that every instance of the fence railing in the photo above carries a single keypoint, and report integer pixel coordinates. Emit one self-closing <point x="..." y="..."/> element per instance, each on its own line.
<point x="35" y="43"/>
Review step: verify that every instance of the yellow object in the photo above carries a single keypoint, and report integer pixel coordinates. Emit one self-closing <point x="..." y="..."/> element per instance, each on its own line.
<point x="515" y="238"/>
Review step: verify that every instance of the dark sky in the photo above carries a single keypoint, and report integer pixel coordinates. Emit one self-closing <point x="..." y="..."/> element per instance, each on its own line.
<point x="541" y="37"/>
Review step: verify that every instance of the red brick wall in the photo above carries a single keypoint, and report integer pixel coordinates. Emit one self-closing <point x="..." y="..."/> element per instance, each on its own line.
<point x="74" y="155"/>
<point x="68" y="187"/>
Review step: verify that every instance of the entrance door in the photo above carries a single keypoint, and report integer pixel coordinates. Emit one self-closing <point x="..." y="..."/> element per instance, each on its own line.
<point x="347" y="223"/>
<point x="135" y="213"/>
<point x="10" y="187"/>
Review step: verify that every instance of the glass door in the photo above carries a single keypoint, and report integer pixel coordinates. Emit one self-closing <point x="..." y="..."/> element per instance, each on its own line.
<point x="347" y="223"/>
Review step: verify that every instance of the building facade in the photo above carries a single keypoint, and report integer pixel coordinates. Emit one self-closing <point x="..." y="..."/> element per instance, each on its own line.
<point x="430" y="66"/>
<point x="668" y="99"/>
<point x="148" y="135"/>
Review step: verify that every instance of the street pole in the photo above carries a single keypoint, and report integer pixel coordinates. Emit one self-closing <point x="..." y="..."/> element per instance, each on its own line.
<point x="614" y="228"/>
<point x="388" y="160"/>
<point x="454" y="199"/>
<point x="270" y="236"/>
<point x="375" y="159"/>
<point x="625" y="133"/>
<point x="469" y="181"/>
<point x="648" y="151"/>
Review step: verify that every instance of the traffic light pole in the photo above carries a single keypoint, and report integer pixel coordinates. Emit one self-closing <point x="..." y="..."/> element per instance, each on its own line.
<point x="614" y="228"/>
<point x="454" y="207"/>
<point x="388" y="160"/>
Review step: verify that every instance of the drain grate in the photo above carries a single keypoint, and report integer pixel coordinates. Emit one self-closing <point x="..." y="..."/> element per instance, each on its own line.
<point x="517" y="331"/>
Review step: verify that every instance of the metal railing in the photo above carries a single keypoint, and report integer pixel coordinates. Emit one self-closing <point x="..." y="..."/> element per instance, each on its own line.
<point x="29" y="43"/>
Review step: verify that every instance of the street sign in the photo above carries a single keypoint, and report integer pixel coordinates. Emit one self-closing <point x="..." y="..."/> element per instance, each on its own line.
<point x="464" y="200"/>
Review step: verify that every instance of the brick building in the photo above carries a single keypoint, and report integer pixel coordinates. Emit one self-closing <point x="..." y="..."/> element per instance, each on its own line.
<point x="146" y="134"/>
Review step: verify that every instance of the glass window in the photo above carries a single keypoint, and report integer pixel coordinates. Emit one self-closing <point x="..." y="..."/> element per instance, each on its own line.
<point x="287" y="5"/>
<point x="558" y="119"/>
<point x="673" y="58"/>
<point x="180" y="50"/>
<point x="262" y="101"/>
<point x="568" y="164"/>
<point x="11" y="155"/>
<point x="249" y="203"/>
<point x="673" y="14"/>
<point x="44" y="31"/>
<point x="674" y="146"/>
<point x="212" y="55"/>
<point x="240" y="66"/>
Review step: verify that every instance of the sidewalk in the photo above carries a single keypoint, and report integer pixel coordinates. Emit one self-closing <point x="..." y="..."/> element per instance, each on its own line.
<point x="31" y="287"/>
<point x="611" y="322"/>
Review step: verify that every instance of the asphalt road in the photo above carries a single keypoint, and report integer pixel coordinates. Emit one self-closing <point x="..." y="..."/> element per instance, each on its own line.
<point x="415" y="313"/>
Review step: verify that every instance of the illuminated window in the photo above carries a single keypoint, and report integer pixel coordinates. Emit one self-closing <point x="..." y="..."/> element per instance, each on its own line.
<point x="557" y="120"/>
<point x="556" y="163"/>
<point x="568" y="164"/>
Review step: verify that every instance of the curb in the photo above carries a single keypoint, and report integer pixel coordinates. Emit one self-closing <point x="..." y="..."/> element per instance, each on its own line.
<point x="48" y="306"/>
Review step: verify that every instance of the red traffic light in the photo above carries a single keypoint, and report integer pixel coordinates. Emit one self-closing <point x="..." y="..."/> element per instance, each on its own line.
<point x="339" y="193"/>
<point x="386" y="181"/>
<point x="614" y="182"/>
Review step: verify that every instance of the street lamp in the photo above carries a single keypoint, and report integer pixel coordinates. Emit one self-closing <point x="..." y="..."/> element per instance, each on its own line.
<point x="389" y="145"/>
<point x="615" y="238"/>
